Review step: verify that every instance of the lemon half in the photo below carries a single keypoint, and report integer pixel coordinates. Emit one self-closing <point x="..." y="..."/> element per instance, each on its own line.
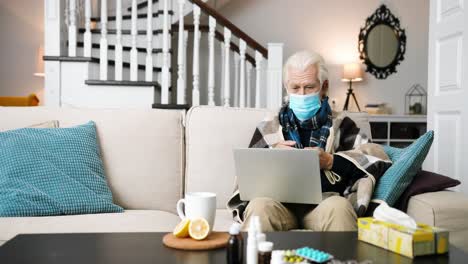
<point x="182" y="229"/>
<point x="199" y="229"/>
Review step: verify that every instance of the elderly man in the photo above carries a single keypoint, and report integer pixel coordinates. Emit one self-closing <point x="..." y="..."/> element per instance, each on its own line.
<point x="305" y="122"/>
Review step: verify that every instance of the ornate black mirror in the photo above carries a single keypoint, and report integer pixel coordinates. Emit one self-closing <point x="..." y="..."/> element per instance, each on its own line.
<point x="382" y="43"/>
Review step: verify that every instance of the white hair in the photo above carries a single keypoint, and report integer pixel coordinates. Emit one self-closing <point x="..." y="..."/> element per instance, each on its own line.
<point x="303" y="59"/>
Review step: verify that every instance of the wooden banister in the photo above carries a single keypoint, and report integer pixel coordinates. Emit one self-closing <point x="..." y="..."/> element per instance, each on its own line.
<point x="219" y="36"/>
<point x="220" y="19"/>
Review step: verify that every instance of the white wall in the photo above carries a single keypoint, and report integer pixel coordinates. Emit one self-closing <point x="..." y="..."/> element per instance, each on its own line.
<point x="21" y="30"/>
<point x="331" y="28"/>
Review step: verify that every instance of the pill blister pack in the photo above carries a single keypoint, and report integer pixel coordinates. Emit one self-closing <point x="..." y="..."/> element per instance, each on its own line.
<point x="314" y="255"/>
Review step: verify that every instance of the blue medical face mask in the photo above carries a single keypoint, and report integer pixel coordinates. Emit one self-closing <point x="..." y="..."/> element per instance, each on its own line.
<point x="305" y="106"/>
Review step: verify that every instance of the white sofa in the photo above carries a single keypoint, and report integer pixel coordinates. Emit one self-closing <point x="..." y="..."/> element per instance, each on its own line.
<point x="151" y="157"/>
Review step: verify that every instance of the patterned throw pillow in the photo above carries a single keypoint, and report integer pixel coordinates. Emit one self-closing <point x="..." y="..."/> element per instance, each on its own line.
<point x="52" y="171"/>
<point x="406" y="163"/>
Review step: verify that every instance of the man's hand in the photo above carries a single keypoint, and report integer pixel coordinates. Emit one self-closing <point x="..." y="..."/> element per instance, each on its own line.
<point x="326" y="159"/>
<point x="288" y="144"/>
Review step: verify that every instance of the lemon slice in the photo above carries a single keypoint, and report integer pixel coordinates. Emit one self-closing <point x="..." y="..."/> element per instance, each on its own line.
<point x="199" y="229"/>
<point x="182" y="229"/>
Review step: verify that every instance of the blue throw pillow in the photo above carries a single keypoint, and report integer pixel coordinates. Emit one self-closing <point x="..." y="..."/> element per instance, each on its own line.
<point x="52" y="171"/>
<point x="406" y="163"/>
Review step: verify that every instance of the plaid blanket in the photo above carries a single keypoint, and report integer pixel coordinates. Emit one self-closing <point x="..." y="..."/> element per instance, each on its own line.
<point x="357" y="165"/>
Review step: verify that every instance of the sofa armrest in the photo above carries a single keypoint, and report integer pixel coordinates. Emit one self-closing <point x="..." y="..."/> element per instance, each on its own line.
<point x="445" y="209"/>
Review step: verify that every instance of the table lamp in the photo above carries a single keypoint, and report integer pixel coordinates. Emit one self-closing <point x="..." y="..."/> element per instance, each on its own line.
<point x="352" y="72"/>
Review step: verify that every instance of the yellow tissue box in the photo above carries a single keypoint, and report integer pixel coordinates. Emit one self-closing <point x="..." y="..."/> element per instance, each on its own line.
<point x="425" y="240"/>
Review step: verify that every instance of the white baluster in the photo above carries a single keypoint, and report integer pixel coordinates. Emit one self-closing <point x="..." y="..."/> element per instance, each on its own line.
<point x="103" y="42"/>
<point x="133" y="51"/>
<point x="87" y="34"/>
<point x="227" y="79"/>
<point x="222" y="73"/>
<point x="242" y="49"/>
<point x="118" y="42"/>
<point x="211" y="60"/>
<point x="149" y="43"/>
<point x="180" y="57"/>
<point x="249" y="85"/>
<point x="72" y="29"/>
<point x="235" y="91"/>
<point x="196" y="56"/>
<point x="186" y="35"/>
<point x="258" y="77"/>
<point x="165" y="66"/>
<point x="54" y="45"/>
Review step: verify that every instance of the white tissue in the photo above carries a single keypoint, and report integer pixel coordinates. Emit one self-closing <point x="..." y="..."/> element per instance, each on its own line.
<point x="388" y="214"/>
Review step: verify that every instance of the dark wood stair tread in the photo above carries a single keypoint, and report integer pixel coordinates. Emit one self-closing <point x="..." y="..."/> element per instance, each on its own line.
<point x="67" y="58"/>
<point x="96" y="60"/>
<point x="125" y="48"/>
<point x="123" y="31"/>
<point x="122" y="83"/>
<point x="142" y="5"/>
<point x="172" y="106"/>
<point x="129" y="17"/>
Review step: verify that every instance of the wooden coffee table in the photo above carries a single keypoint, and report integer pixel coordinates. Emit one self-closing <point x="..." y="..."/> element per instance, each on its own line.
<point x="142" y="248"/>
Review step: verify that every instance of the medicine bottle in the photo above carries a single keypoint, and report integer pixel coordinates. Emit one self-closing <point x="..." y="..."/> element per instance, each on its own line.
<point x="264" y="252"/>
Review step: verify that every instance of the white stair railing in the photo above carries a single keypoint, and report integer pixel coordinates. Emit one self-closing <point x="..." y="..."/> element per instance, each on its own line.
<point x="72" y="29"/>
<point x="165" y="50"/>
<point x="149" y="43"/>
<point x="186" y="37"/>
<point x="118" y="42"/>
<point x="87" y="35"/>
<point x="242" y="49"/>
<point x="181" y="98"/>
<point x="239" y="90"/>
<point x="133" y="51"/>
<point x="227" y="72"/>
<point x="235" y="90"/>
<point x="103" y="42"/>
<point x="221" y="87"/>
<point x="196" y="56"/>
<point x="258" y="78"/>
<point x="249" y="85"/>
<point x="211" y="61"/>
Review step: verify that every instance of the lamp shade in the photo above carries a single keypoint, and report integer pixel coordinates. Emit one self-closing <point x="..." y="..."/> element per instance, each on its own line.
<point x="352" y="72"/>
<point x="39" y="62"/>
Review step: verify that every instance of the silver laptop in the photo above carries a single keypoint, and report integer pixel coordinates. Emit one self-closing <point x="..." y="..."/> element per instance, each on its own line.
<point x="285" y="175"/>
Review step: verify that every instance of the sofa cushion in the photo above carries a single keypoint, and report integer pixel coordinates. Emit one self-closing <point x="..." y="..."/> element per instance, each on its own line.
<point x="444" y="209"/>
<point x="128" y="221"/>
<point x="53" y="171"/>
<point x="223" y="220"/>
<point x="142" y="149"/>
<point x="211" y="135"/>
<point x="424" y="182"/>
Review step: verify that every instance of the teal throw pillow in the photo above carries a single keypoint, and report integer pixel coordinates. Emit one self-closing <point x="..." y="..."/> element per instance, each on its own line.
<point x="53" y="171"/>
<point x="406" y="163"/>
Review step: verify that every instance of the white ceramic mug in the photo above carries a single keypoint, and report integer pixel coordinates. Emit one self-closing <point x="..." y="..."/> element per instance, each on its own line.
<point x="198" y="204"/>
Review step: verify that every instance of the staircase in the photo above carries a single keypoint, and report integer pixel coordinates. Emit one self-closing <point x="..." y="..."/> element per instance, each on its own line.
<point x="147" y="55"/>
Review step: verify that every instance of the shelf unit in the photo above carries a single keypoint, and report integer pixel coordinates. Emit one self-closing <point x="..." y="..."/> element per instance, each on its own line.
<point x="397" y="130"/>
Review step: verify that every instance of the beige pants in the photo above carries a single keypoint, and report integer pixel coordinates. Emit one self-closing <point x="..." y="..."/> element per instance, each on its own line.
<point x="332" y="214"/>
